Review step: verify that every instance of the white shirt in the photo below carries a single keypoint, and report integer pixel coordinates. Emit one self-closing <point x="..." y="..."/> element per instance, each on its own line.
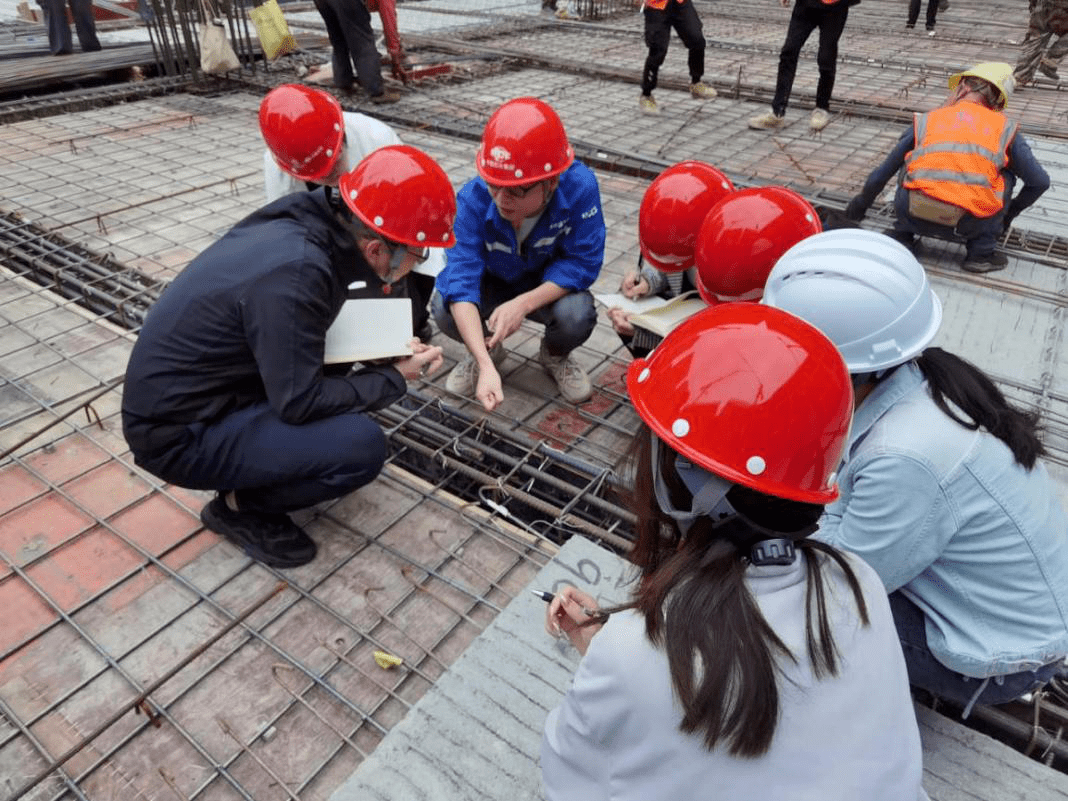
<point x="853" y="736"/>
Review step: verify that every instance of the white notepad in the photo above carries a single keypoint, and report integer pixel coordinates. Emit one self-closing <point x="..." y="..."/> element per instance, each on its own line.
<point x="370" y="328"/>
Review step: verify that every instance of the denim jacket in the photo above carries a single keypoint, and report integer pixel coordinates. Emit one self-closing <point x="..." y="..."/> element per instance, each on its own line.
<point x="947" y="516"/>
<point x="566" y="245"/>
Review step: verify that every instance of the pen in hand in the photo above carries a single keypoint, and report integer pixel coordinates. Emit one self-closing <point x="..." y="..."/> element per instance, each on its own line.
<point x="548" y="597"/>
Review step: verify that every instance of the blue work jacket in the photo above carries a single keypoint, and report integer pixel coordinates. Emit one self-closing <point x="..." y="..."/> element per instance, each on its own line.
<point x="946" y="515"/>
<point x="566" y="245"/>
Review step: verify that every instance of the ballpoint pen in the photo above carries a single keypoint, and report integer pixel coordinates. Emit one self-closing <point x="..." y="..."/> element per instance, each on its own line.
<point x="548" y="597"/>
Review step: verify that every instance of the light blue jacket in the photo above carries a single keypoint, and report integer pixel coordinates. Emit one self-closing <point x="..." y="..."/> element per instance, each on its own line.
<point x="947" y="516"/>
<point x="566" y="245"/>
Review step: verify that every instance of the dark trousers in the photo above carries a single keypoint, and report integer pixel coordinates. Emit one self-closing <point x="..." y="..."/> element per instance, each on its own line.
<point x="348" y="25"/>
<point x="59" y="39"/>
<point x="914" y="12"/>
<point x="273" y="466"/>
<point x="980" y="234"/>
<point x="805" y="19"/>
<point x="658" y="24"/>
<point x="568" y="322"/>
<point x="926" y="672"/>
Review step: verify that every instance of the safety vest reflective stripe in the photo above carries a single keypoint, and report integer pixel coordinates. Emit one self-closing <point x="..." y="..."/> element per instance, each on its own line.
<point x="949" y="175"/>
<point x="959" y="155"/>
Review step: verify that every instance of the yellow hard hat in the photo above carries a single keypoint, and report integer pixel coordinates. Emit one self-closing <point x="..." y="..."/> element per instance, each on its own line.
<point x="997" y="73"/>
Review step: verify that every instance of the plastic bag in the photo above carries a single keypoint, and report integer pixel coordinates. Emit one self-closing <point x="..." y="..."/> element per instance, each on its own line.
<point x="272" y="30"/>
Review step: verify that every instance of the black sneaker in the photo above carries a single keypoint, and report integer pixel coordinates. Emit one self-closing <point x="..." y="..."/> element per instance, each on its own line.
<point x="273" y="539"/>
<point x="987" y="263"/>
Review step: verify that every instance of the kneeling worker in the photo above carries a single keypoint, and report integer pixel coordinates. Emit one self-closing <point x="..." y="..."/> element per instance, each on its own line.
<point x="225" y="389"/>
<point x="960" y="163"/>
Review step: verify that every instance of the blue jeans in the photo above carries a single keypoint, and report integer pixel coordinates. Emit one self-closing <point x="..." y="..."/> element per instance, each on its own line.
<point x="926" y="672"/>
<point x="273" y="466"/>
<point x="568" y="322"/>
<point x="980" y="234"/>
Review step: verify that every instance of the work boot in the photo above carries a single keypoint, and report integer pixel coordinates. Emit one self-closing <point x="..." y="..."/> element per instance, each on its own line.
<point x="767" y="121"/>
<point x="648" y="105"/>
<point x="987" y="263"/>
<point x="464" y="376"/>
<point x="1049" y="69"/>
<point x="571" y="379"/>
<point x="819" y="120"/>
<point x="388" y="96"/>
<point x="273" y="539"/>
<point x="702" y="91"/>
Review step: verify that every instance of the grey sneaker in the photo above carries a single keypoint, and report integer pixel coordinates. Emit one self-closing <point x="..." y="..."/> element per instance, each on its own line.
<point x="571" y="379"/>
<point x="464" y="376"/>
<point x="767" y="121"/>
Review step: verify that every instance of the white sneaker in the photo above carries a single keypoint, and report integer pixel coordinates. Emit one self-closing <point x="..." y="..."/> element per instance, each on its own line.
<point x="767" y="121"/>
<point x="464" y="376"/>
<point x="702" y="91"/>
<point x="572" y="381"/>
<point x="648" y="105"/>
<point x="819" y="120"/>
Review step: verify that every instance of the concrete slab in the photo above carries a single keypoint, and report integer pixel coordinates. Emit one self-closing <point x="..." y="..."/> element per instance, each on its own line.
<point x="476" y="734"/>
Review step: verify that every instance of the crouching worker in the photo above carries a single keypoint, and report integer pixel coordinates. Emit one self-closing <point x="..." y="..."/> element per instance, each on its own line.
<point x="745" y="639"/>
<point x="225" y="388"/>
<point x="943" y="491"/>
<point x="669" y="217"/>
<point x="529" y="245"/>
<point x="959" y="164"/>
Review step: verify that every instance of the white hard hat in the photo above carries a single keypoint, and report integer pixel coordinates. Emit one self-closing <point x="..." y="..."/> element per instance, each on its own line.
<point x="864" y="290"/>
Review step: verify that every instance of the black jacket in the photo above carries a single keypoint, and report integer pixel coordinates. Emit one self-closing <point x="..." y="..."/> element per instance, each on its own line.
<point x="245" y="323"/>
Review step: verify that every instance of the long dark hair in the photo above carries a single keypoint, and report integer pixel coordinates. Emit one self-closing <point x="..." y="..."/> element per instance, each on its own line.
<point x="952" y="379"/>
<point x="721" y="651"/>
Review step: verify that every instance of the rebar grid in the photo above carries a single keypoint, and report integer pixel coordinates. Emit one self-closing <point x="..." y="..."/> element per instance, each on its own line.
<point x="316" y="679"/>
<point x="529" y="550"/>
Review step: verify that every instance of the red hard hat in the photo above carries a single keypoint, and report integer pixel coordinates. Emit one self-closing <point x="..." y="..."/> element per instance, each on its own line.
<point x="304" y="129"/>
<point x="404" y="195"/>
<point x="524" y="141"/>
<point x="672" y="210"/>
<point x="743" y="236"/>
<point x="752" y="394"/>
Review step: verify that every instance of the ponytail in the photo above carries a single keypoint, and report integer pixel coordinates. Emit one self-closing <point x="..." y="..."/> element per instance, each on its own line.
<point x="961" y="383"/>
<point x="723" y="655"/>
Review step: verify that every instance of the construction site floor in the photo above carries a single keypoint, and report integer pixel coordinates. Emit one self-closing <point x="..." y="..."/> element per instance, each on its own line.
<point x="140" y="656"/>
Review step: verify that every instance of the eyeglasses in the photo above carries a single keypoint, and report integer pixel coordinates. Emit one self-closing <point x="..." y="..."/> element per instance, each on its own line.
<point x="401" y="252"/>
<point x="517" y="192"/>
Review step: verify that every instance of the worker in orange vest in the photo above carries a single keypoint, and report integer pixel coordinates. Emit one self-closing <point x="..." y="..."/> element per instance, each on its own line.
<point x="958" y="165"/>
<point x="660" y="17"/>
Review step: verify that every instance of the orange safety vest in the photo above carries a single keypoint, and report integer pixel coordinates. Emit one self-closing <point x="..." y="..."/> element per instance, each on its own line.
<point x="659" y="5"/>
<point x="959" y="155"/>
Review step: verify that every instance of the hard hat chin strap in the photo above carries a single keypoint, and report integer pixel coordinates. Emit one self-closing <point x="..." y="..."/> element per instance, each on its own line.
<point x="760" y="545"/>
<point x="709" y="491"/>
